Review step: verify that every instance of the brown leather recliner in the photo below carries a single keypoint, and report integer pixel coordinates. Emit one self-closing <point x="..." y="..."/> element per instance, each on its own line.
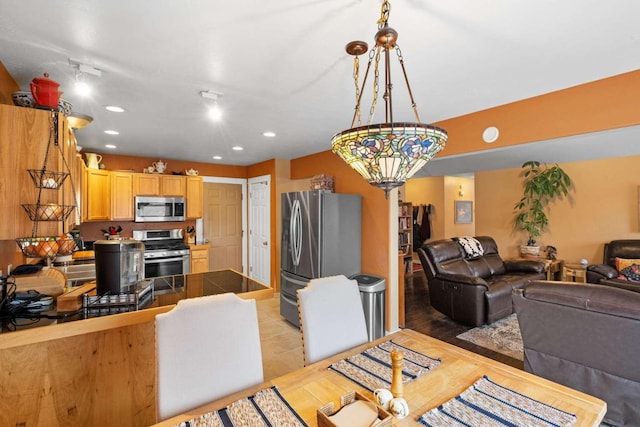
<point x="586" y="337"/>
<point x="474" y="291"/>
<point x="606" y="273"/>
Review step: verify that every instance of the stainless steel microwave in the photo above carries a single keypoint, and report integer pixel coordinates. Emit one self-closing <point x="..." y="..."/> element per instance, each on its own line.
<point x="159" y="209"/>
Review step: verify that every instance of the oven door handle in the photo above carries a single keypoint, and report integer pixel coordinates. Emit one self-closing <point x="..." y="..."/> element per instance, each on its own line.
<point x="159" y="260"/>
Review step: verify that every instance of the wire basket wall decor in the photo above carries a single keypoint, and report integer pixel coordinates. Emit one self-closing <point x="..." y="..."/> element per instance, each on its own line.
<point x="48" y="212"/>
<point x="43" y="178"/>
<point x="45" y="247"/>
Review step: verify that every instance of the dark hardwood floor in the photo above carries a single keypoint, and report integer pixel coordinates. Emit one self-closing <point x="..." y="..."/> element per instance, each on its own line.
<point x="421" y="317"/>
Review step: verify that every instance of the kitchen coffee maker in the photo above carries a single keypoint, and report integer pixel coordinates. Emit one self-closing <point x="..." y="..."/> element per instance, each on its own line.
<point x="119" y="265"/>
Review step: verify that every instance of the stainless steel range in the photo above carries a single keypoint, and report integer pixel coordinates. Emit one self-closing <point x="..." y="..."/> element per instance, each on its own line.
<point x="165" y="253"/>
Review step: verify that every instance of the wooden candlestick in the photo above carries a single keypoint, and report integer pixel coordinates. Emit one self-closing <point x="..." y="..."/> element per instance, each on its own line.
<point x="396" y="373"/>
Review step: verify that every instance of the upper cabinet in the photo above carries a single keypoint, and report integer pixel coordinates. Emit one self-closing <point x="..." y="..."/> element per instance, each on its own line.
<point x="110" y="195"/>
<point x="195" y="194"/>
<point x="24" y="134"/>
<point x="146" y="184"/>
<point x="173" y="185"/>
<point x="98" y="195"/>
<point x="149" y="184"/>
<point x="122" y="196"/>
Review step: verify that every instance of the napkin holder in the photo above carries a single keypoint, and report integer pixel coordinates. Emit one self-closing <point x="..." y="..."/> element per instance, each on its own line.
<point x="328" y="410"/>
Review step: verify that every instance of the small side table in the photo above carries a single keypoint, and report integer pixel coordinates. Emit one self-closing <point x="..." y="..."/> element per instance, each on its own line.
<point x="574" y="273"/>
<point x="554" y="269"/>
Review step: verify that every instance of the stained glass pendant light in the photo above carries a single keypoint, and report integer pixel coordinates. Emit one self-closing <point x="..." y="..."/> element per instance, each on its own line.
<point x="385" y="154"/>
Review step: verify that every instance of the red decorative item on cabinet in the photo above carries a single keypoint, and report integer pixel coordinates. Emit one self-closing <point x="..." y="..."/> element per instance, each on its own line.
<point x="45" y="91"/>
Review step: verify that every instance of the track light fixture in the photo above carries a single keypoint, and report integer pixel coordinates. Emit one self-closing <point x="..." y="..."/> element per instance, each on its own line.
<point x="84" y="68"/>
<point x="215" y="112"/>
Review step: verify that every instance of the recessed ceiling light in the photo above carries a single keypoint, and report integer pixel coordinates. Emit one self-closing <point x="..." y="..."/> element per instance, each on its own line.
<point x="110" y="146"/>
<point x="269" y="134"/>
<point x="217" y="158"/>
<point x="114" y="108"/>
<point x="238" y="148"/>
<point x="112" y="132"/>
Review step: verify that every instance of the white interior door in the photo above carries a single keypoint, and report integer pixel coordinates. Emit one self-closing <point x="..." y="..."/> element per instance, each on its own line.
<point x="260" y="229"/>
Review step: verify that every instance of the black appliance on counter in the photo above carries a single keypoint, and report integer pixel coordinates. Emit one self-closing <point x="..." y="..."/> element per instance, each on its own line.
<point x="118" y="265"/>
<point x="165" y="253"/>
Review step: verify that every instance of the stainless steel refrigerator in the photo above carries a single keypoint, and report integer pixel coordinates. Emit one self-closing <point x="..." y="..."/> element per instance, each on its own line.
<point x="321" y="236"/>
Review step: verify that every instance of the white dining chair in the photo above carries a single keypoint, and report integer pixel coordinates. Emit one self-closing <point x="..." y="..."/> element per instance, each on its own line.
<point x="206" y="348"/>
<point x="331" y="317"/>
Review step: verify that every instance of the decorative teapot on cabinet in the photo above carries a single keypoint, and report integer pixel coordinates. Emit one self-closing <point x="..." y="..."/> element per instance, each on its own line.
<point x="160" y="166"/>
<point x="45" y="91"/>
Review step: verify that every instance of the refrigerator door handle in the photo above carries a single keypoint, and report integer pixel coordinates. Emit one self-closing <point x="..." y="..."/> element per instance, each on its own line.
<point x="295" y="231"/>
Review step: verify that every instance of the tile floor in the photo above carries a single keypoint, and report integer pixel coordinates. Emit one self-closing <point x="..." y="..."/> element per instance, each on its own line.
<point x="281" y="341"/>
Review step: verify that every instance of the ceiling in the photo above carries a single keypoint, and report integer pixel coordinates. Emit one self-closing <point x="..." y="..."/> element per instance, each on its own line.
<point x="280" y="66"/>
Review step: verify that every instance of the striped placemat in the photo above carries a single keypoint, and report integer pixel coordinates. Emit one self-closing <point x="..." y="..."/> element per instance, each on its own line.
<point x="266" y="408"/>
<point x="488" y="404"/>
<point x="372" y="368"/>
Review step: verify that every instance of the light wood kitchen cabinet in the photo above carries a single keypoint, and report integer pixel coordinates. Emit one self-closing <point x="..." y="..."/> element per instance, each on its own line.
<point x="24" y="134"/>
<point x="195" y="194"/>
<point x="146" y="184"/>
<point x="173" y="186"/>
<point x="97" y="197"/>
<point x="71" y="194"/>
<point x="121" y="196"/>
<point x="199" y="258"/>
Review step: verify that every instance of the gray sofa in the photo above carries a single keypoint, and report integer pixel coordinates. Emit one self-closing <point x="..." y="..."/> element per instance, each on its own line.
<point x="474" y="290"/>
<point x="586" y="337"/>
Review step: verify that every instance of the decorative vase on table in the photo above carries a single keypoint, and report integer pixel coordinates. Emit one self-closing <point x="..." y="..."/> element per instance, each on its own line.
<point x="530" y="251"/>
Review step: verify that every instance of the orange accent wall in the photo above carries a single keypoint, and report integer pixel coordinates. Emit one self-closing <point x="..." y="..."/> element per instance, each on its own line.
<point x="375" y="208"/>
<point x="603" y="206"/>
<point x="600" y="105"/>
<point x="267" y="167"/>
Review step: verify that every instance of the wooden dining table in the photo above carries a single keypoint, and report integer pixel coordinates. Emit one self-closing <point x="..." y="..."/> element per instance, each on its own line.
<point x="313" y="386"/>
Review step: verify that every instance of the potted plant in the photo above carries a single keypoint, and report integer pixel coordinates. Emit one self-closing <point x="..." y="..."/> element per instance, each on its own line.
<point x="542" y="184"/>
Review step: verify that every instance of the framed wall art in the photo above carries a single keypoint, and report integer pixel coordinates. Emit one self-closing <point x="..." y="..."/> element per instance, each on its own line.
<point x="463" y="213"/>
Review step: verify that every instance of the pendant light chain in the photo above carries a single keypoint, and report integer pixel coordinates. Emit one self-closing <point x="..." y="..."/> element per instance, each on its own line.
<point x="376" y="80"/>
<point x="406" y="79"/>
<point x="356" y="70"/>
<point x="385" y="11"/>
<point x="359" y="92"/>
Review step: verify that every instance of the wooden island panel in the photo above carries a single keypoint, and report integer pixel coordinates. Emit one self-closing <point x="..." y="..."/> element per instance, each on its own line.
<point x="99" y="378"/>
<point x="97" y="371"/>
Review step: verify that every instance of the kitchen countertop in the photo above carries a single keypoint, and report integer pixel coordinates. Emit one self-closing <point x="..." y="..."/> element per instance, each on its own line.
<point x="168" y="291"/>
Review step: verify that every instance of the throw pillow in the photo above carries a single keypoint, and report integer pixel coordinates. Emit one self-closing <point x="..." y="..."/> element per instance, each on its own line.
<point x="631" y="273"/>
<point x="622" y="263"/>
<point x="472" y="247"/>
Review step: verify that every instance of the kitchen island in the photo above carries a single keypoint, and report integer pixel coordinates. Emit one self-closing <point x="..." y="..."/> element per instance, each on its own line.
<point x="101" y="370"/>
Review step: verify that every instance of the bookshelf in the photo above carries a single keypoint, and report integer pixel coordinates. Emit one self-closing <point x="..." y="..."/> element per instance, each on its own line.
<point x="405" y="235"/>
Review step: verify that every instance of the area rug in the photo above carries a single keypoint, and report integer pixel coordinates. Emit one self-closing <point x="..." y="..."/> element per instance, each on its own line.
<point x="502" y="336"/>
